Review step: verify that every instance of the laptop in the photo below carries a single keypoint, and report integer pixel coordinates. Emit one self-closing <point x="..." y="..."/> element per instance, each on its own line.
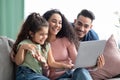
<point x="88" y="52"/>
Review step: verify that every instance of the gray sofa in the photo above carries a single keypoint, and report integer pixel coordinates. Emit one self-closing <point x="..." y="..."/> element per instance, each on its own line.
<point x="6" y="65"/>
<point x="7" y="68"/>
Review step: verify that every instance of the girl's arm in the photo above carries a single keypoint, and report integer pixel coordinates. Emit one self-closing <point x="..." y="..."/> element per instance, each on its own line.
<point x="53" y="63"/>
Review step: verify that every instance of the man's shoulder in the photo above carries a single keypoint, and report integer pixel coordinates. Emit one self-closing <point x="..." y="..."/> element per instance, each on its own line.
<point x="91" y="35"/>
<point x="92" y="32"/>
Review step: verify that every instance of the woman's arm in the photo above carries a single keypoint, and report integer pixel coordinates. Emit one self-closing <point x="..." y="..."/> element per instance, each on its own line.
<point x="72" y="52"/>
<point x="53" y="63"/>
<point x="19" y="57"/>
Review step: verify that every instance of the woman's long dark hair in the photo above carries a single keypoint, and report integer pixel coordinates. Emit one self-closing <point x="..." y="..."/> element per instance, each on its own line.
<point x="33" y="23"/>
<point x="66" y="30"/>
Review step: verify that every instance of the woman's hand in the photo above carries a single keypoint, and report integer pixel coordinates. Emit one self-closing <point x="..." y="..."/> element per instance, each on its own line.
<point x="30" y="47"/>
<point x="100" y="61"/>
<point x="68" y="66"/>
<point x="35" y="53"/>
<point x="12" y="56"/>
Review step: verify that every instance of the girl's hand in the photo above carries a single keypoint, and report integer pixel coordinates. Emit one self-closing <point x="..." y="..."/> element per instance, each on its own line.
<point x="40" y="58"/>
<point x="100" y="61"/>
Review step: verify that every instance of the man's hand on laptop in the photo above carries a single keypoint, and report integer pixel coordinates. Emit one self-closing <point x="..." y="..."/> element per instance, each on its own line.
<point x="100" y="61"/>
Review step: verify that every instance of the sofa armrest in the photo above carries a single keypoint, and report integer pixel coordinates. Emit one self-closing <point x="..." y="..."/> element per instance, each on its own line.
<point x="7" y="66"/>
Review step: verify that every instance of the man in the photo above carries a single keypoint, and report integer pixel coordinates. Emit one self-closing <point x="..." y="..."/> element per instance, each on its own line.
<point x="83" y="26"/>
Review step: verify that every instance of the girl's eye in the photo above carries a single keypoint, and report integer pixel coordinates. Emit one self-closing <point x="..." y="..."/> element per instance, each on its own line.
<point x="43" y="34"/>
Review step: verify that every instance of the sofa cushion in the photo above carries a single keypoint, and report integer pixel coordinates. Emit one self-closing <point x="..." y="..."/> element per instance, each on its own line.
<point x="6" y="66"/>
<point x="112" y="61"/>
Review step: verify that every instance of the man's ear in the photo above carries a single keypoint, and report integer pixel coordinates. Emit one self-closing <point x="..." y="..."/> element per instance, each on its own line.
<point x="74" y="21"/>
<point x="91" y="26"/>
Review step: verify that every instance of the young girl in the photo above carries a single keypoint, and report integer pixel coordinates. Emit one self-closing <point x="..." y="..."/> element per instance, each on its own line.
<point x="32" y="51"/>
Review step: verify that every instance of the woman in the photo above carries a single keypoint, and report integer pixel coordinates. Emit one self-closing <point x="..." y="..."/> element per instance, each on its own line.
<point x="64" y="46"/>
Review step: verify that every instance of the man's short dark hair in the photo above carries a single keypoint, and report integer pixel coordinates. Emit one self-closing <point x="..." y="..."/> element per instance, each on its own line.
<point x="87" y="13"/>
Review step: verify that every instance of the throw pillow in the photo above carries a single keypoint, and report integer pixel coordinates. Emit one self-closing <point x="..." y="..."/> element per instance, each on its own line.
<point x="112" y="61"/>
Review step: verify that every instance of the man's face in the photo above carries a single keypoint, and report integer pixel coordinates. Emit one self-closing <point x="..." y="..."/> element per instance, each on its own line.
<point x="82" y="26"/>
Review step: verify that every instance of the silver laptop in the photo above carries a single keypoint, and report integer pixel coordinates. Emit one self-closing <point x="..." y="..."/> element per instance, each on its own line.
<point x="88" y="52"/>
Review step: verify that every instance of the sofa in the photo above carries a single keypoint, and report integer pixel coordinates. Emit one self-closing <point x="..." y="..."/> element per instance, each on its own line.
<point x="7" y="67"/>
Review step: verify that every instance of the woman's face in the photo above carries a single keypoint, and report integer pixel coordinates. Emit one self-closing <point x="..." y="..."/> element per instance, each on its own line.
<point x="40" y="36"/>
<point x="55" y="24"/>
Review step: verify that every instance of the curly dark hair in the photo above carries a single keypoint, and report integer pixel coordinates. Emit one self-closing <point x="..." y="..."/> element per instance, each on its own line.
<point x="66" y="30"/>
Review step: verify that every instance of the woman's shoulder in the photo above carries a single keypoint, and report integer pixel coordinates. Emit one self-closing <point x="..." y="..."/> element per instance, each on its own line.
<point x="66" y="41"/>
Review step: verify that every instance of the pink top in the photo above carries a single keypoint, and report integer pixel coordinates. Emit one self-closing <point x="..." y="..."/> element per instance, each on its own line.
<point x="63" y="51"/>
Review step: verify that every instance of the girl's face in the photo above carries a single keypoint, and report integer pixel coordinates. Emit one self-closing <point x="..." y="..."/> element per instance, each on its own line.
<point x="55" y="24"/>
<point x="40" y="36"/>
